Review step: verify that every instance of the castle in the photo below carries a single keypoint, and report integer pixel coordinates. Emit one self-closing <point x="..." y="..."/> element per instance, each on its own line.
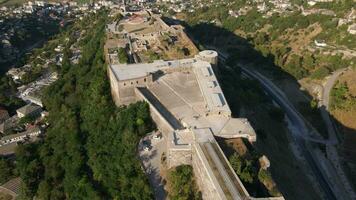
<point x="188" y="106"/>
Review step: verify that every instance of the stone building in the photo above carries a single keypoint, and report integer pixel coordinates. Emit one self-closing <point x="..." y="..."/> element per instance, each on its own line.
<point x="29" y="110"/>
<point x="4" y="115"/>
<point x="189" y="108"/>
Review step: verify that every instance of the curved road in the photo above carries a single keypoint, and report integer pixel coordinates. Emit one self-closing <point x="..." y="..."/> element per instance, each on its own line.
<point x="299" y="123"/>
<point x="331" y="187"/>
<point x="324" y="105"/>
<point x="333" y="131"/>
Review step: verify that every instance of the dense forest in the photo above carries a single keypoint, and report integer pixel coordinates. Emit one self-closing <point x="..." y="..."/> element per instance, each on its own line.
<point x="89" y="151"/>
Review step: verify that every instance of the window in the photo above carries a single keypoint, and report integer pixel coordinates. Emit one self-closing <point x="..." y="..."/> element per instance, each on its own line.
<point x="144" y="80"/>
<point x="124" y="84"/>
<point x="136" y="82"/>
<point x="131" y="83"/>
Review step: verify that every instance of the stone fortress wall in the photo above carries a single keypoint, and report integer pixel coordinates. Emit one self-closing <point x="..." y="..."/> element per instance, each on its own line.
<point x="189" y="125"/>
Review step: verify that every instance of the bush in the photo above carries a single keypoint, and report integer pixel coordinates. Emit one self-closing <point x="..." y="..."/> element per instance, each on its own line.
<point x="320" y="73"/>
<point x="5" y="170"/>
<point x="264" y="176"/>
<point x="244" y="168"/>
<point x="341" y="98"/>
<point x="183" y="185"/>
<point x="123" y="57"/>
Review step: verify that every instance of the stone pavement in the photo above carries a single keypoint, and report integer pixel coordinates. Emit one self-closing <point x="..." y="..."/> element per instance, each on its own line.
<point x="151" y="161"/>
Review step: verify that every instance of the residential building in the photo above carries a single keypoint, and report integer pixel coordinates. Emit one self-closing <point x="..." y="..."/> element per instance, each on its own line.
<point x="12" y="187"/>
<point x="8" y="124"/>
<point x="29" y="110"/>
<point x="352" y="29"/>
<point x="18" y="137"/>
<point x="4" y="115"/>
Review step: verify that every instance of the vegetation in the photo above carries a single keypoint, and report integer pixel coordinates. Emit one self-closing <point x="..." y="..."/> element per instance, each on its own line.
<point x="123" y="57"/>
<point x="30" y="33"/>
<point x="151" y="56"/>
<point x="341" y="97"/>
<point x="183" y="186"/>
<point x="7" y="98"/>
<point x="90" y="148"/>
<point x="246" y="169"/>
<point x="28" y="119"/>
<point x="5" y="170"/>
<point x="252" y="175"/>
<point x="272" y="139"/>
<point x="274" y="37"/>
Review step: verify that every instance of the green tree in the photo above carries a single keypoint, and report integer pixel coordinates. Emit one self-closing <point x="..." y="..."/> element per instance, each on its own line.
<point x="5" y="170"/>
<point x="123" y="58"/>
<point x="89" y="151"/>
<point x="182" y="183"/>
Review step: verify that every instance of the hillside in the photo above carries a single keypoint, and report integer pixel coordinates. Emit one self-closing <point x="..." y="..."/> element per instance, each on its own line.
<point x="343" y="105"/>
<point x="286" y="39"/>
<point x="89" y="151"/>
<point x="20" y="2"/>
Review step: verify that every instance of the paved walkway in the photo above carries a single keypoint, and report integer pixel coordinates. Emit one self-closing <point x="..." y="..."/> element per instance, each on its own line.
<point x="324" y="104"/>
<point x="151" y="161"/>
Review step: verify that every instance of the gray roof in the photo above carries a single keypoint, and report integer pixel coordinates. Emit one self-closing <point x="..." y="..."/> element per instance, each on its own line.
<point x="138" y="70"/>
<point x="13" y="185"/>
<point x="8" y="137"/>
<point x="28" y="109"/>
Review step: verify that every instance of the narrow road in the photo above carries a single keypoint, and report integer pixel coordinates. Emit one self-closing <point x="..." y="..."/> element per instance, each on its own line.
<point x="307" y="132"/>
<point x="331" y="189"/>
<point x="299" y="123"/>
<point x="324" y="105"/>
<point x="333" y="131"/>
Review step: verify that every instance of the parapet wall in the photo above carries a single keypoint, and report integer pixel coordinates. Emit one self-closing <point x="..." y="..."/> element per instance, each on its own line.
<point x="114" y="86"/>
<point x="204" y="176"/>
<point x="162" y="124"/>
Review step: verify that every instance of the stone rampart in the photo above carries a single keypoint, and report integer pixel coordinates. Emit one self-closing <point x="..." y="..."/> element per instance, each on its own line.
<point x="162" y="123"/>
<point x="204" y="175"/>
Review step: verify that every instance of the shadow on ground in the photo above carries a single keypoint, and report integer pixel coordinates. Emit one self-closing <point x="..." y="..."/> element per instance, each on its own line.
<point x="246" y="98"/>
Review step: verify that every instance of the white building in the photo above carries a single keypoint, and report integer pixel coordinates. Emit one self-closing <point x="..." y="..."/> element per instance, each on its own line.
<point x="352" y="29"/>
<point x="33" y="132"/>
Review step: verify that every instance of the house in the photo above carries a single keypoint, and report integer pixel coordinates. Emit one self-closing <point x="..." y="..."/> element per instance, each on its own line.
<point x="29" y="110"/>
<point x="352" y="29"/>
<point x="18" y="137"/>
<point x="16" y="73"/>
<point x="320" y="43"/>
<point x="4" y="115"/>
<point x="8" y="124"/>
<point x="12" y="187"/>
